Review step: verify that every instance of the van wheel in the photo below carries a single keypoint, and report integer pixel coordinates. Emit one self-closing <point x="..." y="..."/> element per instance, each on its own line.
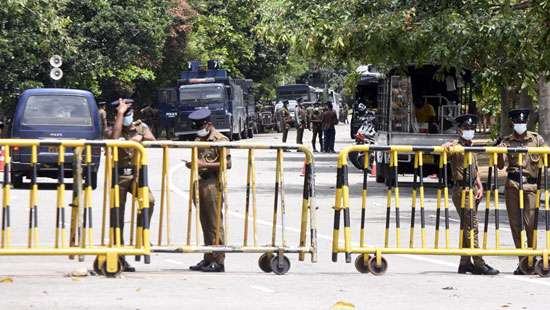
<point x="94" y="180"/>
<point x="16" y="180"/>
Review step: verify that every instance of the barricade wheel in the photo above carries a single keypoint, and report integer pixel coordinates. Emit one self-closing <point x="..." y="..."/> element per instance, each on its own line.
<point x="265" y="262"/>
<point x="280" y="264"/>
<point x="524" y="266"/>
<point x="539" y="269"/>
<point x="96" y="266"/>
<point x="360" y="263"/>
<point x="377" y="270"/>
<point x="112" y="274"/>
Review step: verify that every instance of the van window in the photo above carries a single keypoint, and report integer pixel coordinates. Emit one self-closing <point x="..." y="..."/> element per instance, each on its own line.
<point x="57" y="110"/>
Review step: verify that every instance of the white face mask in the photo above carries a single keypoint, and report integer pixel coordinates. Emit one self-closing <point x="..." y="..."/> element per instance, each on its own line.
<point x="203" y="132"/>
<point x="520" y="128"/>
<point x="468" y="135"/>
<point x="128" y="120"/>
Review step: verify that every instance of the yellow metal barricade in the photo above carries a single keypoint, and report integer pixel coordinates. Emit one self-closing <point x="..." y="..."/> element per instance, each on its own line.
<point x="80" y="241"/>
<point x="371" y="256"/>
<point x="274" y="249"/>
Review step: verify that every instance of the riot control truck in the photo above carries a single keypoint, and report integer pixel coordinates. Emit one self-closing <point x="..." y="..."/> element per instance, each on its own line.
<point x="250" y="107"/>
<point x="415" y="105"/>
<point x="205" y="87"/>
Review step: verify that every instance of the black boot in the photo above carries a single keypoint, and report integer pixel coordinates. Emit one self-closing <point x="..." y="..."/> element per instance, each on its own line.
<point x="465" y="268"/>
<point x="213" y="267"/>
<point x="126" y="266"/>
<point x="485" y="270"/>
<point x="198" y="267"/>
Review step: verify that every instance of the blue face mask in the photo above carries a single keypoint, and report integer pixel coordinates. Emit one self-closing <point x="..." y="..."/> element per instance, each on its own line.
<point x="128" y="120"/>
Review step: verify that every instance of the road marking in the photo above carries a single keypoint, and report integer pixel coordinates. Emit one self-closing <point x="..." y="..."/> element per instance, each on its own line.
<point x="262" y="289"/>
<point x="174" y="262"/>
<point x="329" y="239"/>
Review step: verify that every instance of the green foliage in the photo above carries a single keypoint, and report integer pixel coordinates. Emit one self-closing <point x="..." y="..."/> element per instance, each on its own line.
<point x="108" y="46"/>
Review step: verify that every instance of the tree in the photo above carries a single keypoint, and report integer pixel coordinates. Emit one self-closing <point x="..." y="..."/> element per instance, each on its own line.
<point x="504" y="43"/>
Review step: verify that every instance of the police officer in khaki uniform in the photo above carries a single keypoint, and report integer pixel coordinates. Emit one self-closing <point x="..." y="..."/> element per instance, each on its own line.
<point x="316" y="126"/>
<point x="285" y="120"/>
<point x="209" y="165"/>
<point x="151" y="117"/>
<point x="301" y="121"/>
<point x="466" y="125"/>
<point x="521" y="138"/>
<point x="127" y="129"/>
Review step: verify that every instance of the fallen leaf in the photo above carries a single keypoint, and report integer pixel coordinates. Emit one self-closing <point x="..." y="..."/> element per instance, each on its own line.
<point x="75" y="279"/>
<point x="138" y="289"/>
<point x="6" y="280"/>
<point x="448" y="288"/>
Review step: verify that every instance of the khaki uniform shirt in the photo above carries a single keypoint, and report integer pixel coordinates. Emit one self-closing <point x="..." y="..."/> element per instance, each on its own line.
<point x="285" y="118"/>
<point x="103" y="119"/>
<point x="457" y="165"/>
<point x="211" y="154"/>
<point x="530" y="161"/>
<point x="125" y="155"/>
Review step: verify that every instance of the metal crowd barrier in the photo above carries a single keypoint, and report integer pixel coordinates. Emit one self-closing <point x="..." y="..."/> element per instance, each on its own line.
<point x="370" y="258"/>
<point x="80" y="240"/>
<point x="273" y="258"/>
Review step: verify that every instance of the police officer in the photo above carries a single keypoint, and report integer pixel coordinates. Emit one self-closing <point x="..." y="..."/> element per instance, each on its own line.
<point x="466" y="125"/>
<point x="103" y="118"/>
<point x="209" y="165"/>
<point x="285" y="120"/>
<point x="125" y="128"/>
<point x="301" y="121"/>
<point x="521" y="138"/>
<point x="316" y="126"/>
<point x="150" y="116"/>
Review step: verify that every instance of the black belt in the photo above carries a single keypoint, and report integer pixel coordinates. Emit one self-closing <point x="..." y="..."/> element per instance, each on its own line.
<point x="125" y="171"/>
<point x="514" y="176"/>
<point x="207" y="175"/>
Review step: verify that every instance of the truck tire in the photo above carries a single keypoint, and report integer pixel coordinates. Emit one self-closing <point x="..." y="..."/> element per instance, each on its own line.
<point x="16" y="180"/>
<point x="380" y="173"/>
<point x="235" y="136"/>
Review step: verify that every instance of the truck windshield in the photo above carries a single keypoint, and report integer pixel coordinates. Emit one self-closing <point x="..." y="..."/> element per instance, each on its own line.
<point x="293" y="95"/>
<point x="194" y="93"/>
<point x="57" y="110"/>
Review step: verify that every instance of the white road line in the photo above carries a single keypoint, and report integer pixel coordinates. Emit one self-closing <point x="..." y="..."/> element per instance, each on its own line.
<point x="329" y="238"/>
<point x="171" y="261"/>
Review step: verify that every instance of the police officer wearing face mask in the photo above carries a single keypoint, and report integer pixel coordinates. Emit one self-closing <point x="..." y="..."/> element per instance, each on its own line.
<point x="466" y="125"/>
<point x="521" y="138"/>
<point x="125" y="128"/>
<point x="209" y="165"/>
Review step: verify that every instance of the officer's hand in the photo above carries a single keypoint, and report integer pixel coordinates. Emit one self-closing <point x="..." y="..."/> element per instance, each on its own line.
<point x="137" y="138"/>
<point x="479" y="194"/>
<point x="447" y="146"/>
<point x="122" y="106"/>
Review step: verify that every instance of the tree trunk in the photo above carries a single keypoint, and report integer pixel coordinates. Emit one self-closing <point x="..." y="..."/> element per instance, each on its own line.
<point x="526" y="102"/>
<point x="544" y="108"/>
<point x="507" y="95"/>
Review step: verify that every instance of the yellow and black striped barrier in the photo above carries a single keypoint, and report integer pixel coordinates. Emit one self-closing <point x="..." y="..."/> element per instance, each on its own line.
<point x="274" y="248"/>
<point x="80" y="237"/>
<point x="371" y="258"/>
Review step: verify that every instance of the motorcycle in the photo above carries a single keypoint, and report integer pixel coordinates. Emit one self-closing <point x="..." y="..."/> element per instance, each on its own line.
<point x="366" y="134"/>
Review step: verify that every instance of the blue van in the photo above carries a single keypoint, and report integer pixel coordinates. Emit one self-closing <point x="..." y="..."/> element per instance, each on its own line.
<point x="53" y="113"/>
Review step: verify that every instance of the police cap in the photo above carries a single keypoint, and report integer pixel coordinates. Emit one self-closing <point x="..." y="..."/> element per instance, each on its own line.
<point x="200" y="117"/>
<point x="519" y="115"/>
<point x="101" y="103"/>
<point x="466" y="120"/>
<point x="130" y="110"/>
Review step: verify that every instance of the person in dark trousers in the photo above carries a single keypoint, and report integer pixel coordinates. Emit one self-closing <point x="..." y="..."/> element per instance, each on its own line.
<point x="301" y="121"/>
<point x="315" y="115"/>
<point x="285" y="120"/>
<point x="329" y="120"/>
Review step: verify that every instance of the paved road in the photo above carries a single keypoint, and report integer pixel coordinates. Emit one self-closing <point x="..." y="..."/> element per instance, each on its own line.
<point x="412" y="282"/>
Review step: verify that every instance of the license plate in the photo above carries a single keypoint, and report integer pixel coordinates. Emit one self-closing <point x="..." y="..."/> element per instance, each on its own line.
<point x="53" y="149"/>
